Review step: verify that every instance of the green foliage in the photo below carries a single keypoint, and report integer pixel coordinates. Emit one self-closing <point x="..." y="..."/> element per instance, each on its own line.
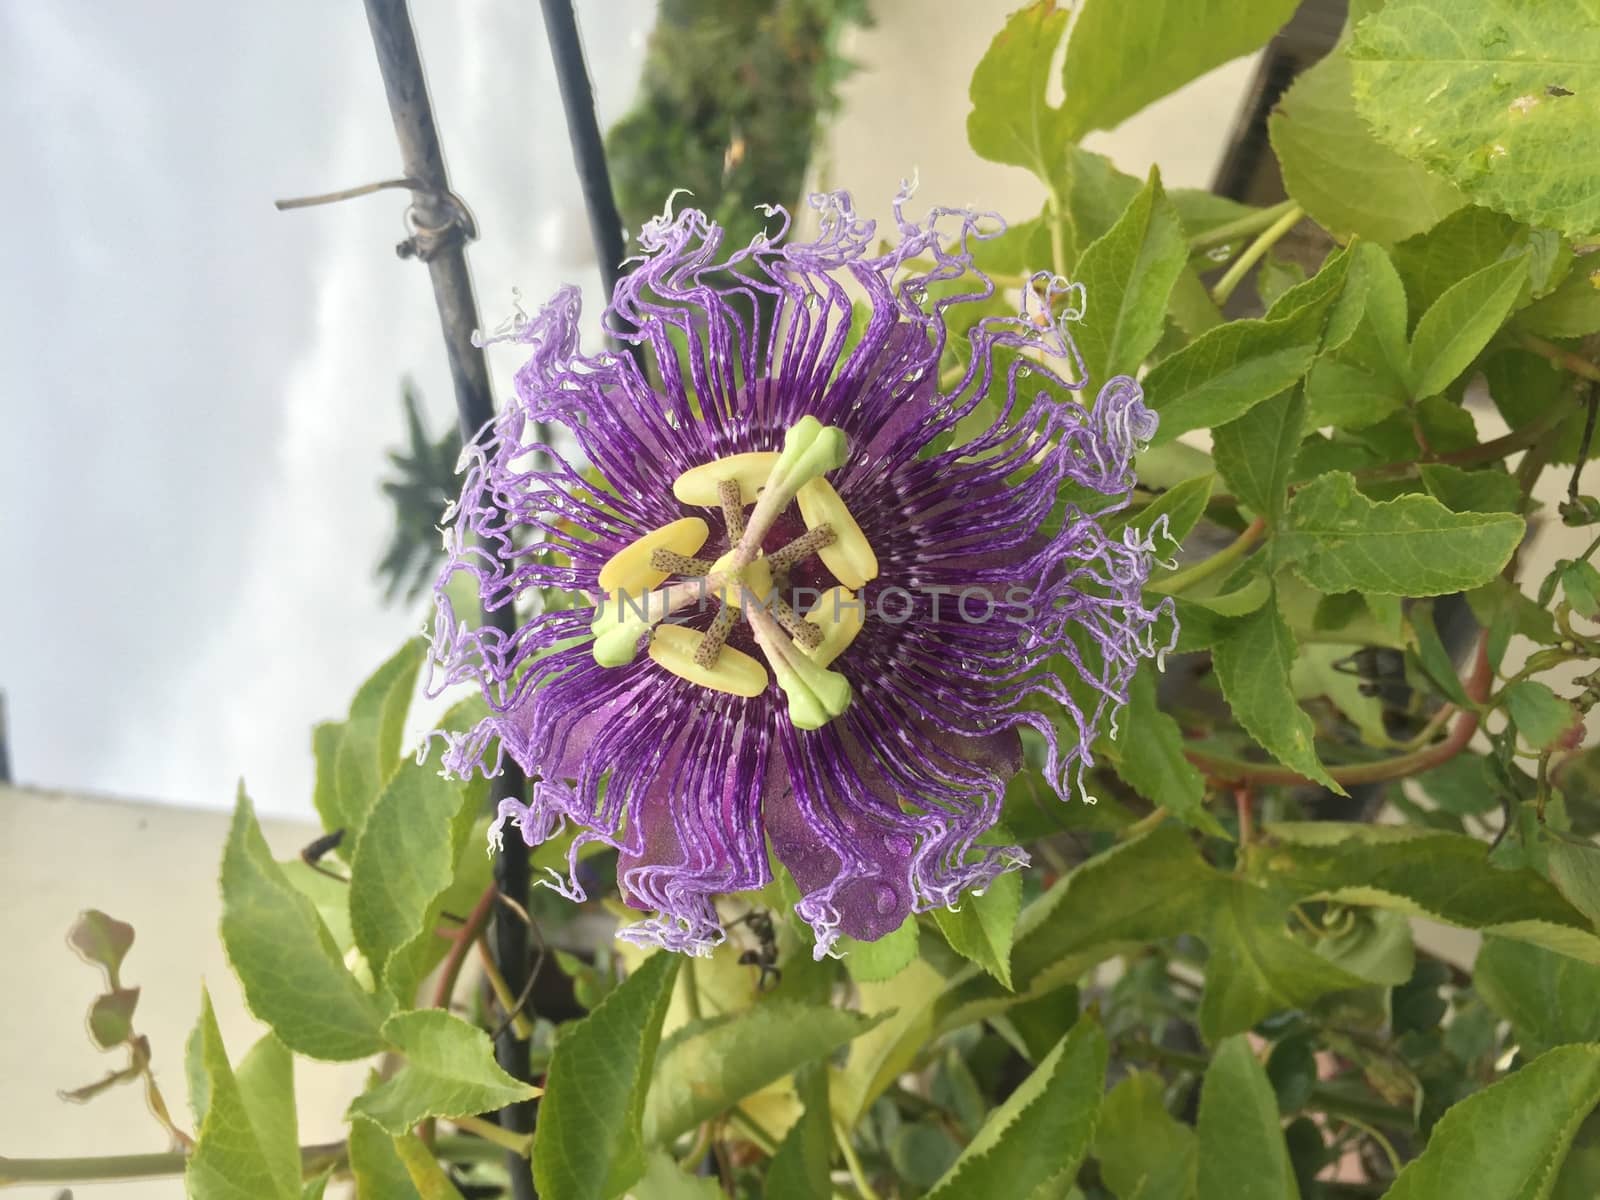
<point x="1498" y="96"/>
<point x="1234" y="945"/>
<point x="589" y="1141"/>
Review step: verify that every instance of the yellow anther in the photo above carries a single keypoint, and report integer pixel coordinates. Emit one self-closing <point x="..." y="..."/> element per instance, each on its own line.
<point x="840" y="615"/>
<point x="850" y="556"/>
<point x="673" y="646"/>
<point x="698" y="485"/>
<point x="629" y="569"/>
<point x="755" y="583"/>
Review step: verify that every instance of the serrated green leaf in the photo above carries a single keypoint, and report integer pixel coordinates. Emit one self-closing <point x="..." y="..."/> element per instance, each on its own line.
<point x="1509" y="1139"/>
<point x="1121" y="57"/>
<point x="588" y="1144"/>
<point x="1466" y="241"/>
<point x="907" y="1005"/>
<point x="1011" y="121"/>
<point x="1374" y="944"/>
<point x="1571" y="310"/>
<point x="1149" y="757"/>
<point x="377" y="1168"/>
<point x="449" y="1071"/>
<point x="799" y="1169"/>
<point x="1044" y="1128"/>
<point x="1242" y="1152"/>
<point x="664" y="1180"/>
<point x="1501" y="97"/>
<point x="1456" y="328"/>
<point x="1334" y="168"/>
<point x="1256" y="967"/>
<point x="1230" y="369"/>
<point x="1444" y="876"/>
<point x="288" y="965"/>
<point x="1337" y="540"/>
<point x="1525" y="387"/>
<point x="1485" y="491"/>
<point x="355" y="757"/>
<point x="708" y="1066"/>
<point x="245" y="1148"/>
<point x="404" y="862"/>
<point x="1541" y="717"/>
<point x="981" y="928"/>
<point x="1573" y="865"/>
<point x="426" y="1175"/>
<point x="1170" y="516"/>
<point x="1253" y="658"/>
<point x="1145" y="1153"/>
<point x="1255" y="453"/>
<point x="1127" y="275"/>
<point x="1550" y="999"/>
<point x="873" y="962"/>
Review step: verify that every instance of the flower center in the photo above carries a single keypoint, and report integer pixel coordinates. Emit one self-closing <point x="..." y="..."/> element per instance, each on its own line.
<point x="747" y="581"/>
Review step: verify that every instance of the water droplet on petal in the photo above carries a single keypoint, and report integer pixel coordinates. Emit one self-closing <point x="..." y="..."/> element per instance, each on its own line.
<point x="888" y="898"/>
<point x="1220" y="253"/>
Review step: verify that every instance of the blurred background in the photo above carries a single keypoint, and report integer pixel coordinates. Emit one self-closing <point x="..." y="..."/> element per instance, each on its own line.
<point x="228" y="425"/>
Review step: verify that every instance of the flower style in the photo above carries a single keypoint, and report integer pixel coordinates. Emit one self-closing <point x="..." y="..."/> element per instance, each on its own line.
<point x="812" y="611"/>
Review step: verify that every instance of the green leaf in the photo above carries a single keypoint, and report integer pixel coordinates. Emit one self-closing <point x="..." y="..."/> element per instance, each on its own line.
<point x="709" y="1066"/>
<point x="1509" y="1139"/>
<point x="450" y="1071"/>
<point x="1253" y="658"/>
<point x="1435" y="659"/>
<point x="1042" y="1131"/>
<point x="665" y="1180"/>
<point x="246" y="1147"/>
<point x="375" y="1164"/>
<point x="1464" y="785"/>
<point x="1337" y="540"/>
<point x="1456" y="328"/>
<point x="1145" y="1153"/>
<point x="907" y="1005"/>
<point x="1181" y="507"/>
<point x="1485" y="491"/>
<point x="356" y="757"/>
<point x="1550" y="999"/>
<point x="426" y="1175"/>
<point x="873" y="962"/>
<point x="1255" y="453"/>
<point x="1242" y="1152"/>
<point x="288" y="965"/>
<point x="799" y="1169"/>
<point x="1467" y="241"/>
<point x="1149" y="757"/>
<point x="1443" y="876"/>
<point x="1122" y="57"/>
<point x="1571" y="310"/>
<point x="1573" y="865"/>
<point x="1334" y="168"/>
<point x="1256" y="967"/>
<point x="111" y="1017"/>
<point x="1580" y="587"/>
<point x="1476" y="95"/>
<point x="1011" y="121"/>
<point x="981" y="927"/>
<point x="1541" y="717"/>
<point x="404" y="861"/>
<point x="1127" y="274"/>
<point x="587" y="1144"/>
<point x="103" y="941"/>
<point x="1230" y="369"/>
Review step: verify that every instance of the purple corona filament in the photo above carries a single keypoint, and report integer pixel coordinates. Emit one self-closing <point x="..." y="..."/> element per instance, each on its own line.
<point x="988" y="595"/>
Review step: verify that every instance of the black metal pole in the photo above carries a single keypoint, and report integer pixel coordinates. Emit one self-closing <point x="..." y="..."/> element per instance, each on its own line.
<point x="583" y="130"/>
<point x="443" y="228"/>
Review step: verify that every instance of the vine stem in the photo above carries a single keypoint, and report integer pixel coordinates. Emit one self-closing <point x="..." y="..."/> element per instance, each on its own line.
<point x="1565" y="359"/>
<point x="1236" y="771"/>
<point x="1243" y="227"/>
<point x="853" y="1164"/>
<point x="1206" y="568"/>
<point x="1254" y="252"/>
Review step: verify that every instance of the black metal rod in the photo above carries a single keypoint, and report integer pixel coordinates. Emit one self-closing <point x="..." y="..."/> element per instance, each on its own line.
<point x="441" y="219"/>
<point x="583" y="131"/>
